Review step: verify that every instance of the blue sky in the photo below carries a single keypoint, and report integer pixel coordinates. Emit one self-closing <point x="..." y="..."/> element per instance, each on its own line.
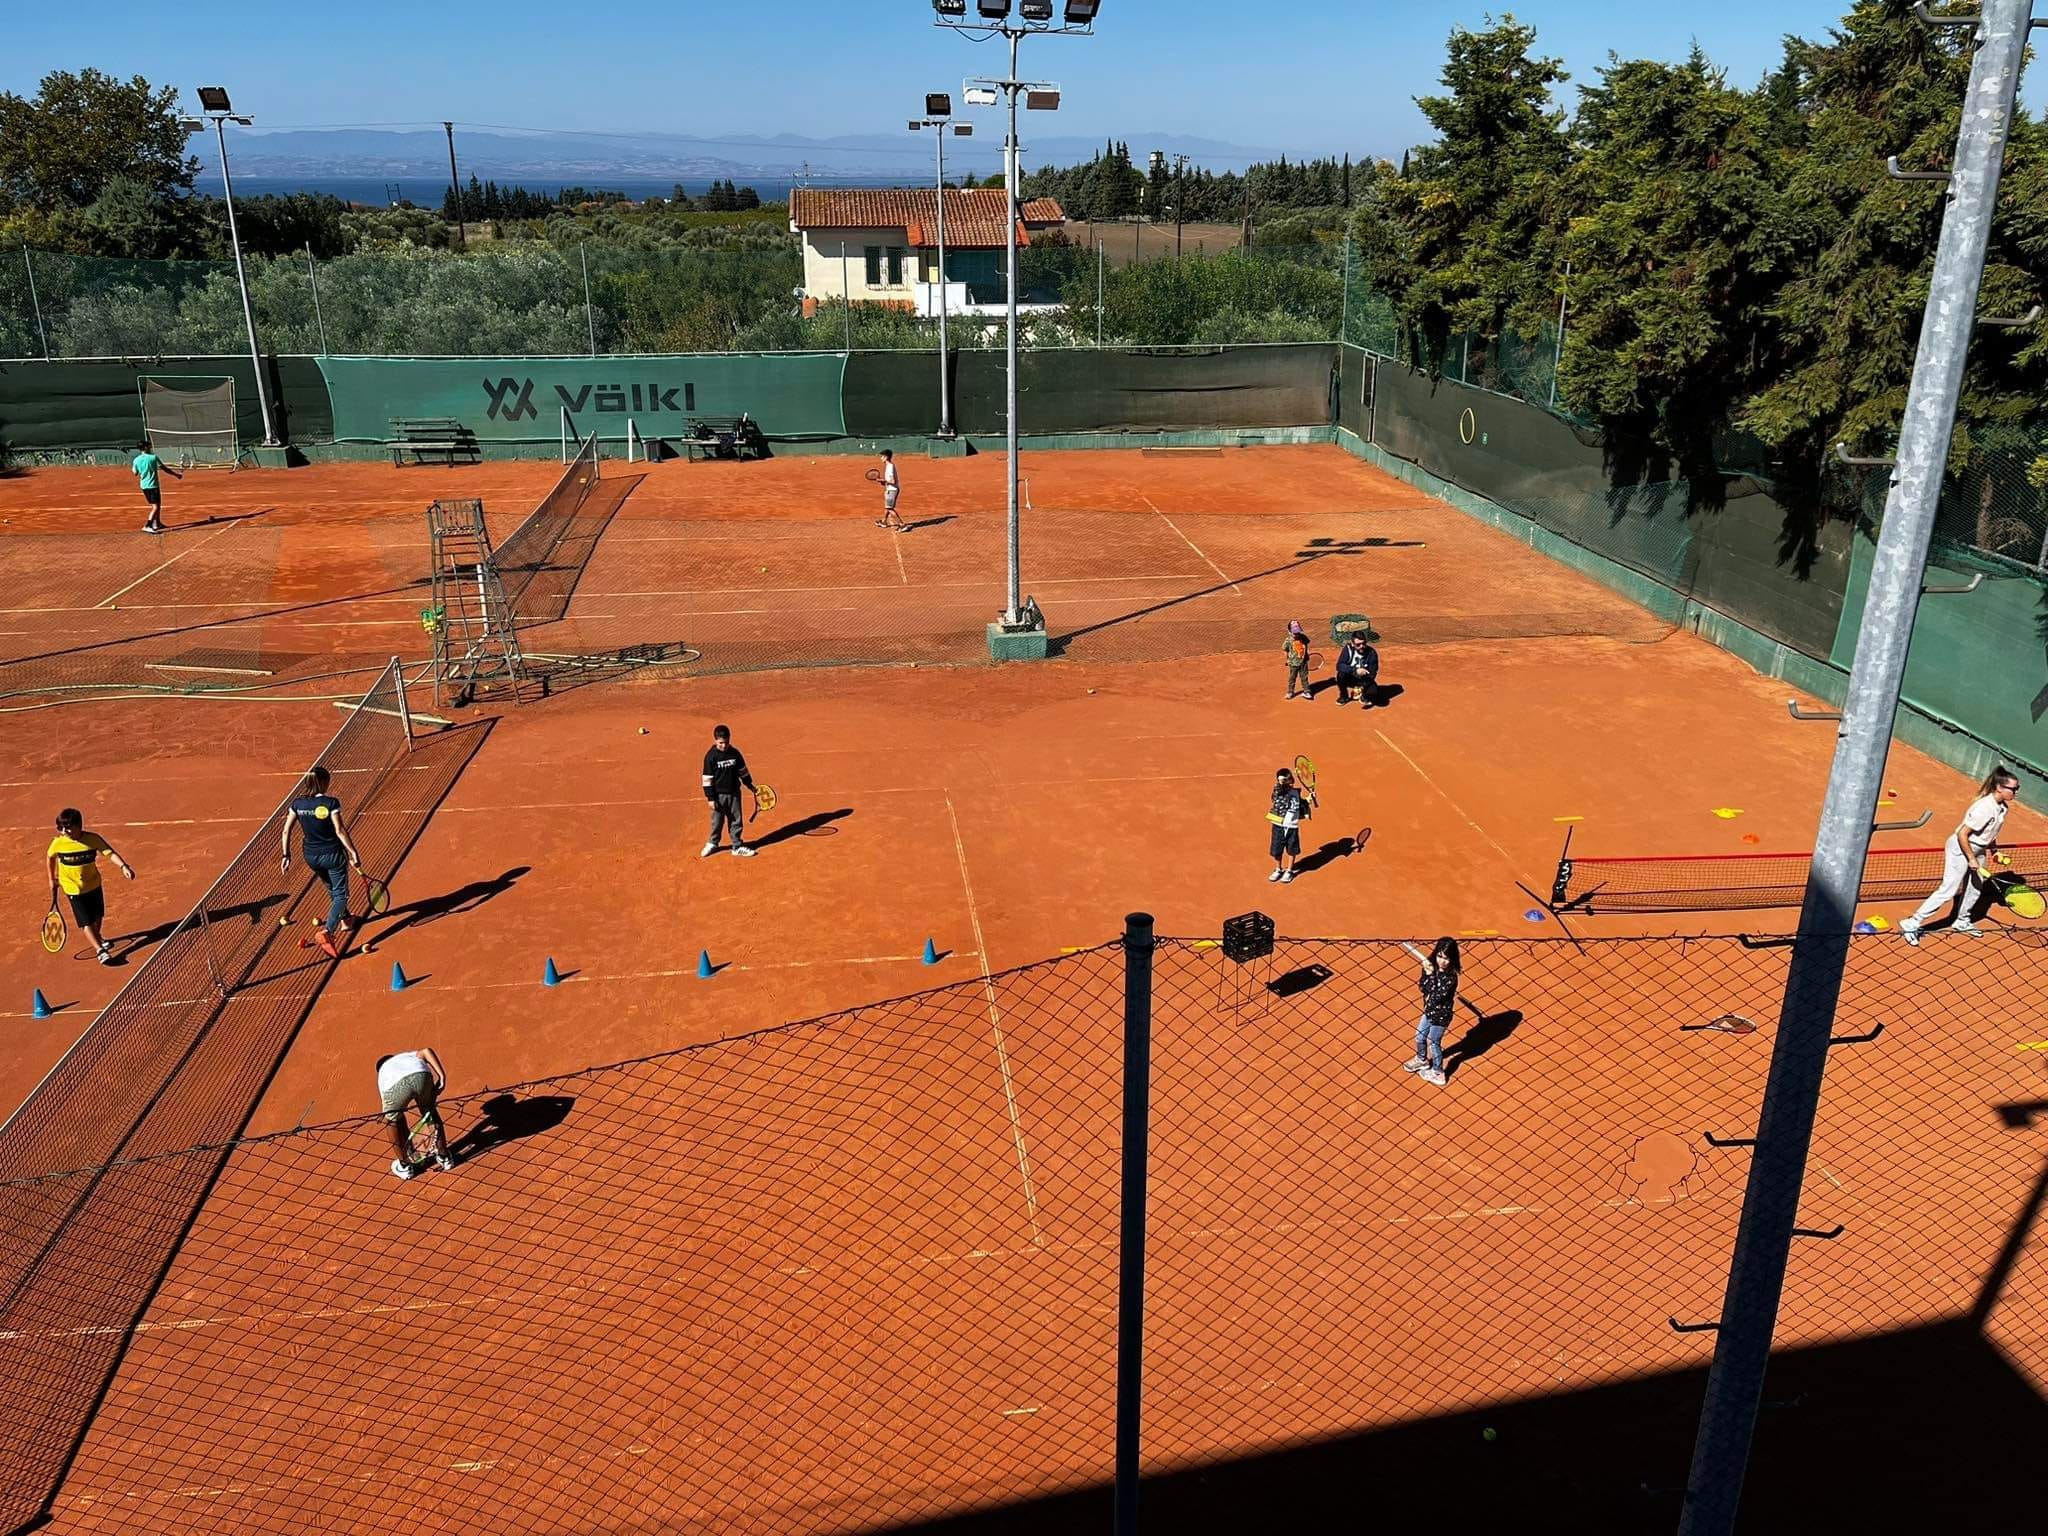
<point x="1297" y="75"/>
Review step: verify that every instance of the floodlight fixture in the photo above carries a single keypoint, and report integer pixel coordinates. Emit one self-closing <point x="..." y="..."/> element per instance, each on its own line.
<point x="214" y="98"/>
<point x="1156" y="159"/>
<point x="1035" y="10"/>
<point x="938" y="104"/>
<point x="915" y="124"/>
<point x="950" y="7"/>
<point x="1081" y="13"/>
<point x="963" y="130"/>
<point x="993" y="10"/>
<point x="1042" y="101"/>
<point x="981" y="96"/>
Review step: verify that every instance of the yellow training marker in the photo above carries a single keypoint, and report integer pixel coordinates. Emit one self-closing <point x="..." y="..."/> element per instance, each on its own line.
<point x="1567" y="818"/>
<point x="1726" y="812"/>
<point x="1208" y="944"/>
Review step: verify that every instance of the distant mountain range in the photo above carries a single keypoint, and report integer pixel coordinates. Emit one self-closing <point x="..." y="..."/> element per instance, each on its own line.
<point x="422" y="154"/>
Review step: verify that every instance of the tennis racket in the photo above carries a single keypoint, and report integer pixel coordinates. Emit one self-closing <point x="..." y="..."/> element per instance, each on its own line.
<point x="1305" y="776"/>
<point x="2020" y="898"/>
<point x="54" y="933"/>
<point x="764" y="800"/>
<point x="1418" y="954"/>
<point x="874" y="476"/>
<point x="376" y="895"/>
<point x="1727" y="1024"/>
<point x="428" y="1138"/>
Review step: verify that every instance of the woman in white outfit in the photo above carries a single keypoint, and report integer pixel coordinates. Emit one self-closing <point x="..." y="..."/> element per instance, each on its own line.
<point x="1966" y="856"/>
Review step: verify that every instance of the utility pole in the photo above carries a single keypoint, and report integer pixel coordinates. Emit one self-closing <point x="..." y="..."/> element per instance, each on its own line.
<point x="1770" y="1203"/>
<point x="455" y="186"/>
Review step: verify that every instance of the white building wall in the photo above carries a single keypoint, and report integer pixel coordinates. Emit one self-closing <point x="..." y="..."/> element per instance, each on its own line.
<point x="826" y="277"/>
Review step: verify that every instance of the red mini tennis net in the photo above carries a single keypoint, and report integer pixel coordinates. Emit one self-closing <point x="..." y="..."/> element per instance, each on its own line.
<point x="1708" y="882"/>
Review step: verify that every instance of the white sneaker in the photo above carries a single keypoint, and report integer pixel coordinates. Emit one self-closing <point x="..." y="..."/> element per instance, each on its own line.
<point x="708" y="850"/>
<point x="402" y="1168"/>
<point x="1413" y="1064"/>
<point x="742" y="851"/>
<point x="1287" y="877"/>
<point x="1431" y="1076"/>
<point x="106" y="954"/>
<point x="1971" y="929"/>
<point x="1272" y="877"/>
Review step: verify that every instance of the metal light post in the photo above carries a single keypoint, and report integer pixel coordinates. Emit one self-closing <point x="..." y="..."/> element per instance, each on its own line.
<point x="993" y="20"/>
<point x="938" y="107"/>
<point x="1770" y="1203"/>
<point x="213" y="101"/>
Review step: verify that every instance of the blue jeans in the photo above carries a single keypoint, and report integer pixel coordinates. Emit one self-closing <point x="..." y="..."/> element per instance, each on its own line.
<point x="336" y="876"/>
<point x="1429" y="1044"/>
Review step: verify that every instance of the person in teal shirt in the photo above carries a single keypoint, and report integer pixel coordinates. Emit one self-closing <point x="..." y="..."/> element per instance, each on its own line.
<point x="147" y="466"/>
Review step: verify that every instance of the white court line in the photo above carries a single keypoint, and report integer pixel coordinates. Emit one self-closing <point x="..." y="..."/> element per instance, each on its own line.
<point x="897" y="541"/>
<point x="1432" y="783"/>
<point x="181" y="554"/>
<point x="995" y="1020"/>
<point x="1191" y="544"/>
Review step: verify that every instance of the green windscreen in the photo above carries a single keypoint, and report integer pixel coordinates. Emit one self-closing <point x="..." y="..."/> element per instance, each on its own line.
<point x="521" y="399"/>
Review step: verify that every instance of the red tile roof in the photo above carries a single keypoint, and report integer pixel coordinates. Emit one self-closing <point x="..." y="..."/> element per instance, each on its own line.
<point x="974" y="217"/>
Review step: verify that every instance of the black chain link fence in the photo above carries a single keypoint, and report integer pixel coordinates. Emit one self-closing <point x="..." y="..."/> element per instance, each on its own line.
<point x="862" y="1272"/>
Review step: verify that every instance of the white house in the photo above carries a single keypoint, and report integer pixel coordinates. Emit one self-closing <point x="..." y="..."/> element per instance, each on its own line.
<point x="881" y="245"/>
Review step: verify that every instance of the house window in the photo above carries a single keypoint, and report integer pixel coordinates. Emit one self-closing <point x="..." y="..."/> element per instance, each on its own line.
<point x="895" y="266"/>
<point x="874" y="254"/>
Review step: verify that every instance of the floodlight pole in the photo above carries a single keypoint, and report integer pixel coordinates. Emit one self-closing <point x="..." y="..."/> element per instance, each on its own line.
<point x="1013" y="614"/>
<point x="990" y="26"/>
<point x="1770" y="1203"/>
<point x="939" y="125"/>
<point x="227" y="182"/>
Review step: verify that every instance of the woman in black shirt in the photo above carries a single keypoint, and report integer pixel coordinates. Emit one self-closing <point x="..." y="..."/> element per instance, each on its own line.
<point x="1439" y="987"/>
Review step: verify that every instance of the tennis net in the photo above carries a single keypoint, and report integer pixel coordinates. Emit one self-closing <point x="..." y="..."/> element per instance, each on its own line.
<point x="530" y="548"/>
<point x="1708" y="882"/>
<point x="124" y="1065"/>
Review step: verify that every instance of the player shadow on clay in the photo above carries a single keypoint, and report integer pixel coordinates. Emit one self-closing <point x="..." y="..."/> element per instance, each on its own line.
<point x="817" y="824"/>
<point x="1487" y="1031"/>
<point x="463" y="899"/>
<point x="508" y="1118"/>
<point x="1338" y="848"/>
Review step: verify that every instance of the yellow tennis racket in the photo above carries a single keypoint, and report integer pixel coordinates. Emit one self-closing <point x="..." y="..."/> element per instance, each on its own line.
<point x="54" y="933"/>
<point x="764" y="800"/>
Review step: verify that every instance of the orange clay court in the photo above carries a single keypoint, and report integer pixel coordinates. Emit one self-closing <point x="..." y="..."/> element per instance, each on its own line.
<point x="1005" y="813"/>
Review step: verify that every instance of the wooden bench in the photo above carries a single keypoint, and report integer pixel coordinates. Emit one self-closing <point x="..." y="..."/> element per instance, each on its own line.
<point x="723" y="437"/>
<point x="423" y="437"/>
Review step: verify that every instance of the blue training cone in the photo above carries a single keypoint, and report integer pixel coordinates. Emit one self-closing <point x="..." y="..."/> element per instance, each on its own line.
<point x="551" y="977"/>
<point x="703" y="965"/>
<point x="931" y="953"/>
<point x="42" y="1007"/>
<point x="398" y="981"/>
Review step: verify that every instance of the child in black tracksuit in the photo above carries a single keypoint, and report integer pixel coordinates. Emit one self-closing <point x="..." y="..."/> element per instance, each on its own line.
<point x="725" y="771"/>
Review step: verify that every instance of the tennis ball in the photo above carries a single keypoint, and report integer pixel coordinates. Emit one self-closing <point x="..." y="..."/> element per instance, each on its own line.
<point x="1489" y="1433"/>
<point x="283" y="921"/>
<point x="764" y="568"/>
<point x="643" y="730"/>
